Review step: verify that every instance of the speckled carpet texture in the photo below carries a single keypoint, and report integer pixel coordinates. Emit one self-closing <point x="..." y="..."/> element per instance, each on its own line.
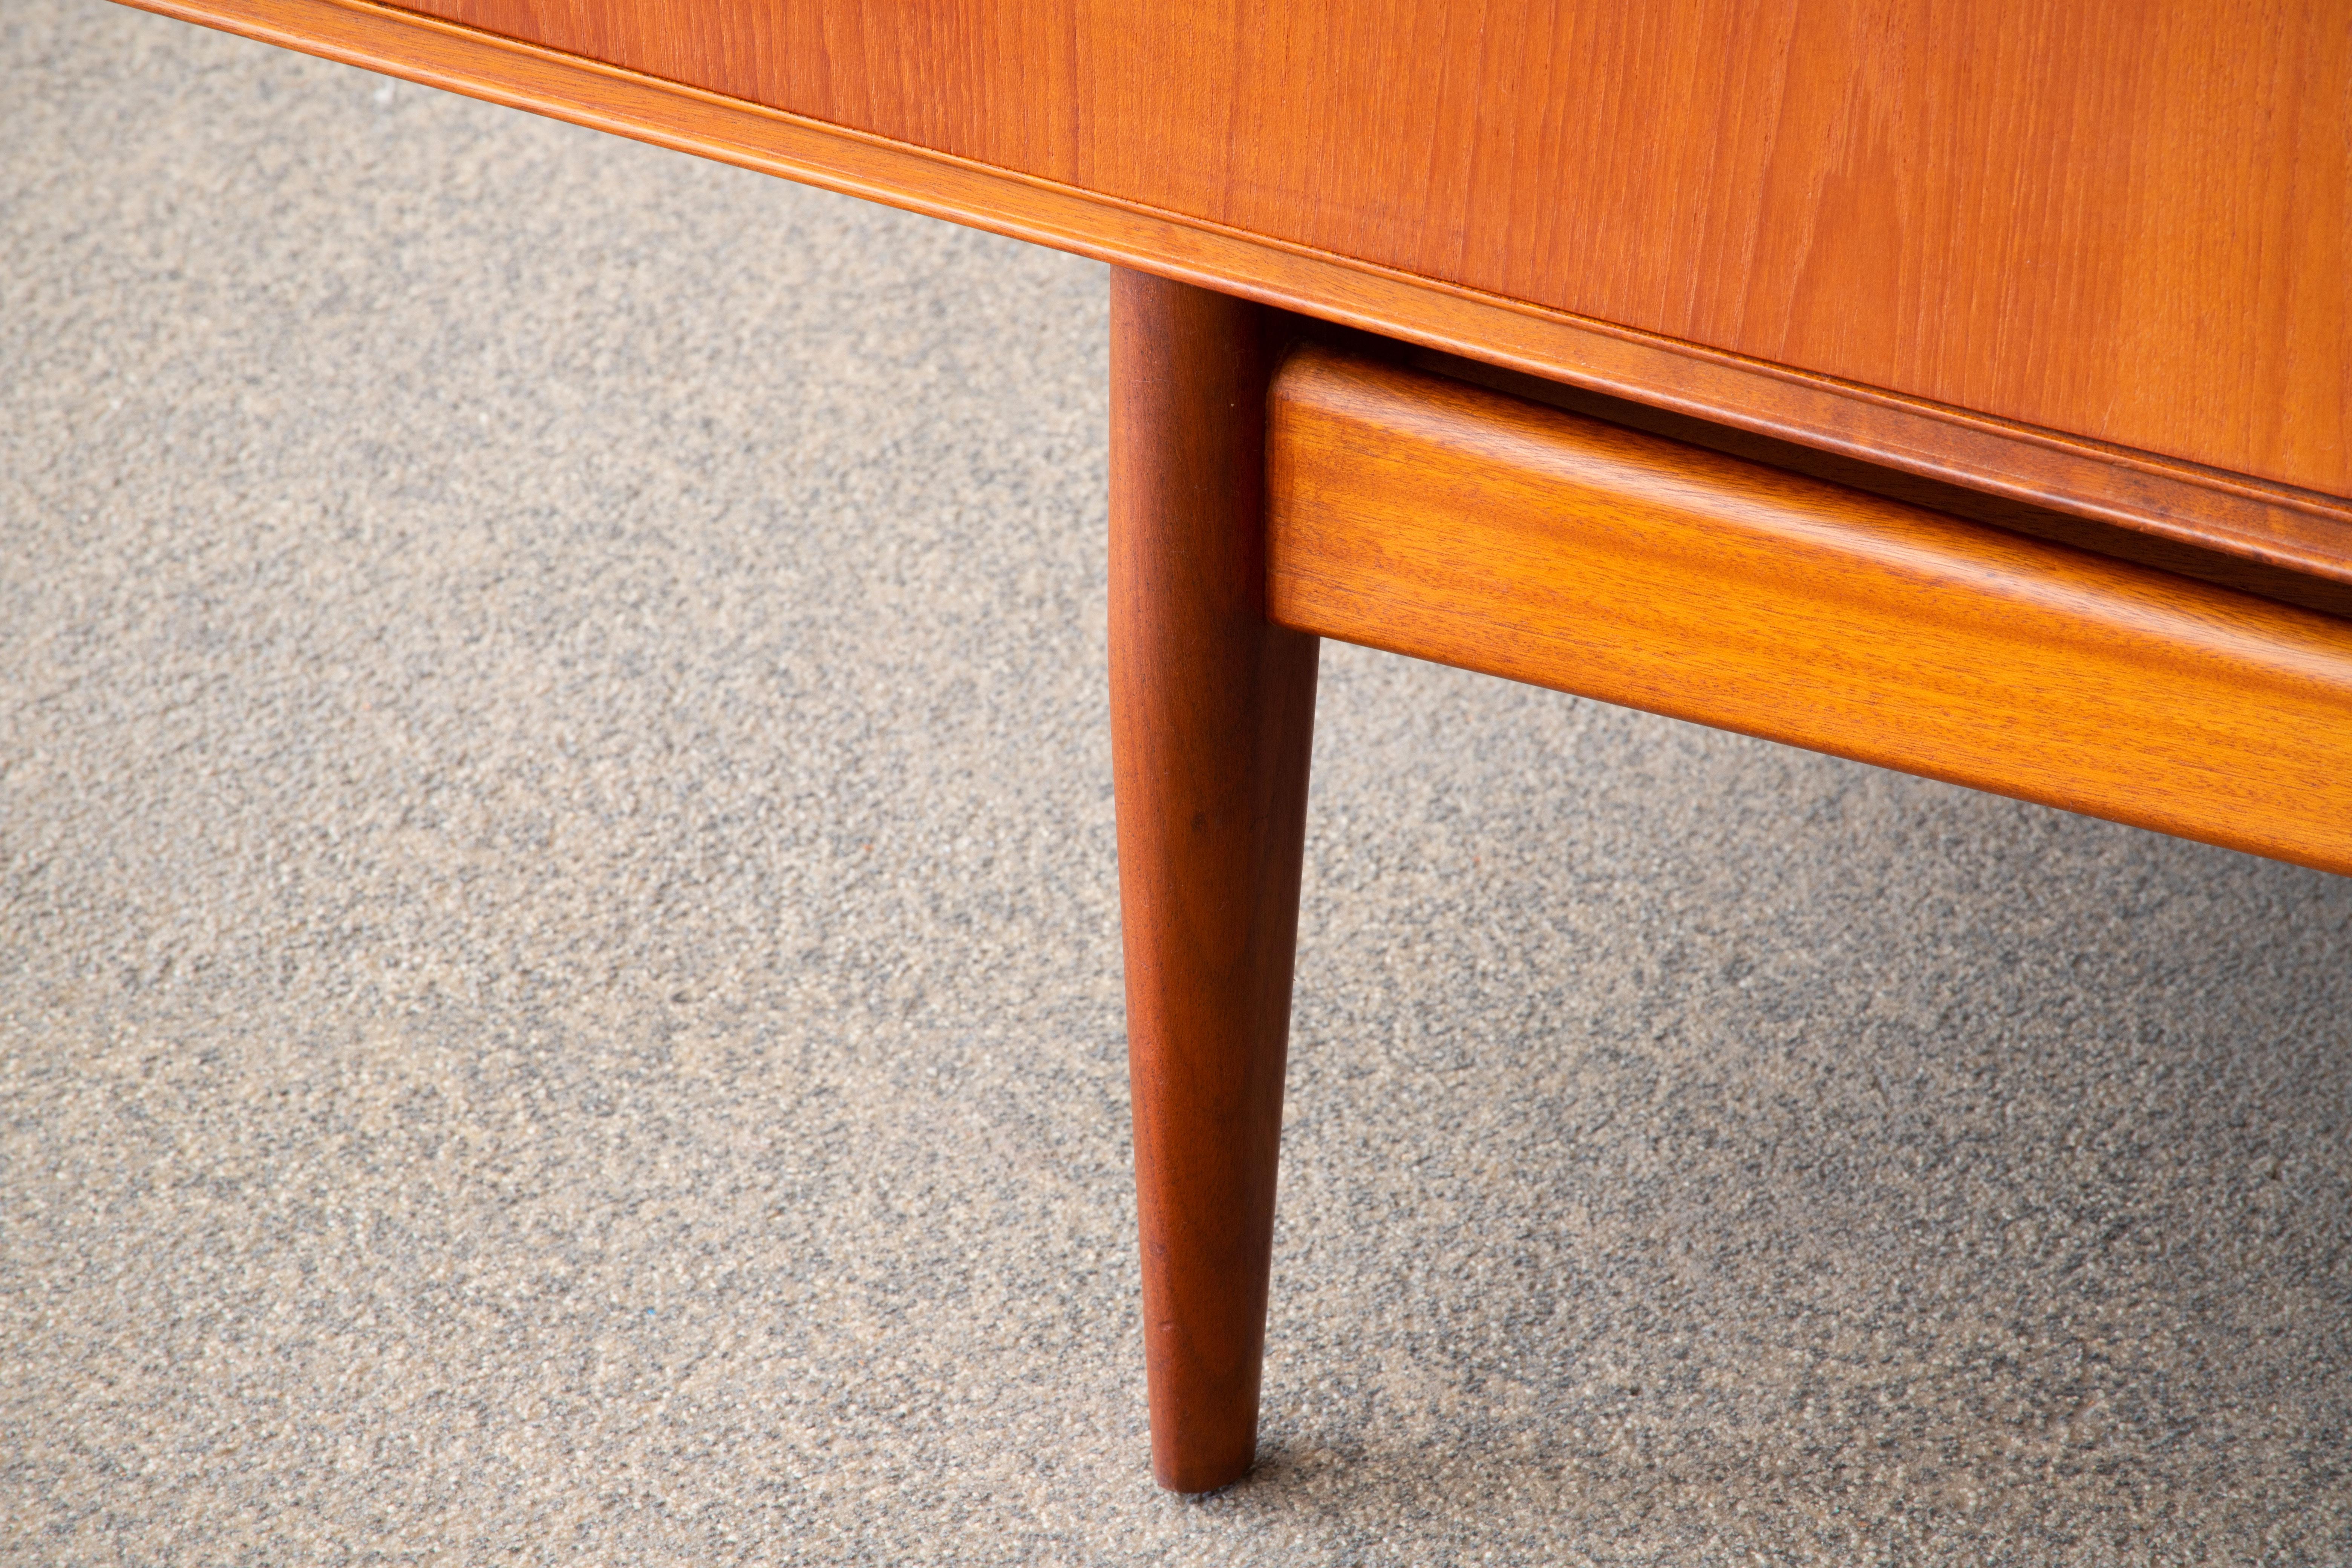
<point x="559" y="985"/>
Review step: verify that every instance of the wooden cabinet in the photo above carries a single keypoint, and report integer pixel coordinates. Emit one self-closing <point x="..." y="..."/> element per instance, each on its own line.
<point x="1882" y="285"/>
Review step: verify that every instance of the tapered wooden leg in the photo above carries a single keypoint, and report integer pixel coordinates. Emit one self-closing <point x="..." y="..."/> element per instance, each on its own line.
<point x="1212" y="713"/>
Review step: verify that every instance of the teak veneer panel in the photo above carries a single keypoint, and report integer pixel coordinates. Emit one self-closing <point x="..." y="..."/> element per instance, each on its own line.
<point x="2197" y="507"/>
<point x="1453" y="524"/>
<point x="2122" y="218"/>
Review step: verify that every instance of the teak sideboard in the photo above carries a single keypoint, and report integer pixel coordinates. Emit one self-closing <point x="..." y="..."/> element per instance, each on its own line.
<point x="1960" y="387"/>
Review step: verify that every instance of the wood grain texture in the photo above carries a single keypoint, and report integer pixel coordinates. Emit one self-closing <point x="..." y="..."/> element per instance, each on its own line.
<point x="2229" y="569"/>
<point x="2286" y="528"/>
<point x="2123" y="219"/>
<point x="1452" y="523"/>
<point x="1212" y="712"/>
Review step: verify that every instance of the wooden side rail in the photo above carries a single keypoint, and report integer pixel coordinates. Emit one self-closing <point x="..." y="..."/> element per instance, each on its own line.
<point x="1436" y="519"/>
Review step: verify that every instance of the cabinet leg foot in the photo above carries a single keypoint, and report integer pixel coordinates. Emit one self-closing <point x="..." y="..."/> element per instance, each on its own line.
<point x="1212" y="712"/>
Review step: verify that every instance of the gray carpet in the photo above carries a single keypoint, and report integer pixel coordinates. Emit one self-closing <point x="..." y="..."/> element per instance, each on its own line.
<point x="559" y="984"/>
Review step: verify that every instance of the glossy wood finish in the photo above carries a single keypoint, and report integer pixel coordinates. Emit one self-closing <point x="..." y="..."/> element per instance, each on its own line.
<point x="2282" y="527"/>
<point x="2230" y="569"/>
<point x="2123" y="219"/>
<point x="1449" y="522"/>
<point x="1212" y="713"/>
